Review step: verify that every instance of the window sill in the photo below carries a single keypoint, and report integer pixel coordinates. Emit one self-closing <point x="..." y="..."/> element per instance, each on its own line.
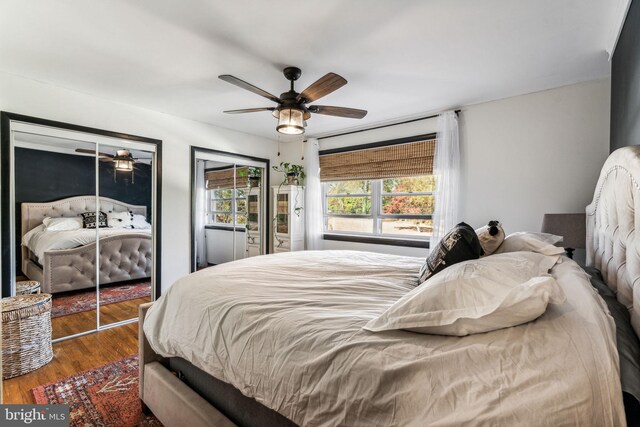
<point x="392" y="241"/>
<point x="225" y="228"/>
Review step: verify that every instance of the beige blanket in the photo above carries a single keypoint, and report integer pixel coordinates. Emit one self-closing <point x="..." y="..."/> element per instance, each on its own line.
<point x="286" y="329"/>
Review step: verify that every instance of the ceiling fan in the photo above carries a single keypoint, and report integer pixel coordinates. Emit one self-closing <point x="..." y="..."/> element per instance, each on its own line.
<point x="292" y="110"/>
<point x="122" y="160"/>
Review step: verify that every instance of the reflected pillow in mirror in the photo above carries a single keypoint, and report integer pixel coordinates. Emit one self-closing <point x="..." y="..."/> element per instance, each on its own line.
<point x="120" y="219"/>
<point x="89" y="220"/>
<point x="62" y="224"/>
<point x="140" y="222"/>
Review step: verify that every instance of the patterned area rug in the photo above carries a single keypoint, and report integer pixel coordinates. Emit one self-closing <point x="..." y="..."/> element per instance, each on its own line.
<point x="104" y="396"/>
<point x="85" y="300"/>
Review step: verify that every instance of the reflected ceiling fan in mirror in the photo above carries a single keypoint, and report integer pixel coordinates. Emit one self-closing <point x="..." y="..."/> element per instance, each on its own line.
<point x="122" y="161"/>
<point x="292" y="110"/>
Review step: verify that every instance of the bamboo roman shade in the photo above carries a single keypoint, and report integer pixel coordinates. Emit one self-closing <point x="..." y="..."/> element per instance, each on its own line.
<point x="392" y="161"/>
<point x="222" y="179"/>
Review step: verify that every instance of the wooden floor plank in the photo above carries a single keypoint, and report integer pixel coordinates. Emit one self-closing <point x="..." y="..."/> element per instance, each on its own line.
<point x="80" y="354"/>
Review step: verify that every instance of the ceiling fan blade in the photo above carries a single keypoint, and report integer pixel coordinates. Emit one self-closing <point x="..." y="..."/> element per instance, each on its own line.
<point x="92" y="152"/>
<point x="249" y="110"/>
<point x="248" y="86"/>
<point x="106" y="159"/>
<point x="351" y="113"/>
<point x="322" y="87"/>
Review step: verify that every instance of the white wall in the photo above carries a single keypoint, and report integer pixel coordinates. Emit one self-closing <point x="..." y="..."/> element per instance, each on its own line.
<point x="522" y="157"/>
<point x="529" y="155"/>
<point x="24" y="96"/>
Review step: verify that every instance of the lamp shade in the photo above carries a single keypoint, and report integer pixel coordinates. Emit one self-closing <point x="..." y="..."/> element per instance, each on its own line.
<point x="571" y="226"/>
<point x="290" y="121"/>
<point x="123" y="161"/>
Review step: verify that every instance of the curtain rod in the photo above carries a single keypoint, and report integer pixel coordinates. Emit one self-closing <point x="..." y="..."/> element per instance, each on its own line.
<point x="385" y="126"/>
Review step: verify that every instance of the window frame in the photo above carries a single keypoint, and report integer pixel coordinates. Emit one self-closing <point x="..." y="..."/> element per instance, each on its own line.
<point x="376" y="235"/>
<point x="211" y="213"/>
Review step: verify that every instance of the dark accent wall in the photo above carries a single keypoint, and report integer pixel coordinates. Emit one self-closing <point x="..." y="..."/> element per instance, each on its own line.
<point x="625" y="83"/>
<point x="43" y="176"/>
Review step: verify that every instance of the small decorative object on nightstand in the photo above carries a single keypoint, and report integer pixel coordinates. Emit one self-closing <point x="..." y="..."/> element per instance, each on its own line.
<point x="572" y="227"/>
<point x="26" y="334"/>
<point x="26" y="287"/>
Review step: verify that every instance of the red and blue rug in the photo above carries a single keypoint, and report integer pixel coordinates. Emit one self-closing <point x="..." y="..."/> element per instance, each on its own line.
<point x="85" y="300"/>
<point x="104" y="396"/>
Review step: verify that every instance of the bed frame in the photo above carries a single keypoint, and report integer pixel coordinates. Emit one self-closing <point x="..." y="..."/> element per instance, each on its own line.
<point x="612" y="247"/>
<point x="72" y="269"/>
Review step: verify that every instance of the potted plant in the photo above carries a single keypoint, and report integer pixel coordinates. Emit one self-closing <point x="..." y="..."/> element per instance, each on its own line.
<point x="294" y="174"/>
<point x="254" y="175"/>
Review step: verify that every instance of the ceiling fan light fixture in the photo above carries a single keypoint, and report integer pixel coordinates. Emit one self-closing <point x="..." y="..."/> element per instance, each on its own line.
<point x="123" y="161"/>
<point x="290" y="121"/>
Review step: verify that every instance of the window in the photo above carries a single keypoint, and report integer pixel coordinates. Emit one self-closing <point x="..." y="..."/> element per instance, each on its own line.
<point x="383" y="189"/>
<point x="391" y="207"/>
<point x="221" y="209"/>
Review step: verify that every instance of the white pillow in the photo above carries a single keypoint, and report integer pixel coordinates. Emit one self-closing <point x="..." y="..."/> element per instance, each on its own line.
<point x="140" y="222"/>
<point x="62" y="224"/>
<point x="476" y="296"/>
<point x="120" y="219"/>
<point x="542" y="243"/>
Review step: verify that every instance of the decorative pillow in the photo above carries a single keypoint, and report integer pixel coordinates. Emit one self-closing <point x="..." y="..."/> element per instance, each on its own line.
<point x="491" y="236"/>
<point x="140" y="222"/>
<point x="542" y="243"/>
<point x="120" y="219"/>
<point x="89" y="220"/>
<point x="477" y="296"/>
<point x="459" y="244"/>
<point x="62" y="224"/>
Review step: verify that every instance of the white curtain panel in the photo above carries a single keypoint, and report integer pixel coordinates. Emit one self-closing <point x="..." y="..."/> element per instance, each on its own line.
<point x="313" y="195"/>
<point x="201" y="213"/>
<point x="446" y="169"/>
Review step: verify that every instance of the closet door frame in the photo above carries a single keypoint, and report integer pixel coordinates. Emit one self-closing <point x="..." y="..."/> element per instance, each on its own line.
<point x="265" y="182"/>
<point x="7" y="256"/>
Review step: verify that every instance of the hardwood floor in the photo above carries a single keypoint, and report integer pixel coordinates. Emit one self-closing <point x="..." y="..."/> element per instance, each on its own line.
<point x="86" y="320"/>
<point x="74" y="356"/>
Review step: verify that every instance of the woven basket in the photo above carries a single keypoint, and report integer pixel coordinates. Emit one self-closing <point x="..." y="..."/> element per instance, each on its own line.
<point x="26" y="287"/>
<point x="26" y="334"/>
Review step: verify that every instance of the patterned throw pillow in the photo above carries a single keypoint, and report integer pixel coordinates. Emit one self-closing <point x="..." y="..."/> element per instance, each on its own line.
<point x="459" y="244"/>
<point x="89" y="220"/>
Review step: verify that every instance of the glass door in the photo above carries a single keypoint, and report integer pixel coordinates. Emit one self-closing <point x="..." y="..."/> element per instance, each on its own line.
<point x="126" y="202"/>
<point x="229" y="209"/>
<point x="55" y="196"/>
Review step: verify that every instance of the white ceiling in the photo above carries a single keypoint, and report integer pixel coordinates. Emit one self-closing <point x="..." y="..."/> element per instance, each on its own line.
<point x="402" y="58"/>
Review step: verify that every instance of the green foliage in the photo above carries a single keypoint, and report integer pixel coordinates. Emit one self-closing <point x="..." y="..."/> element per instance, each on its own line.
<point x="288" y="168"/>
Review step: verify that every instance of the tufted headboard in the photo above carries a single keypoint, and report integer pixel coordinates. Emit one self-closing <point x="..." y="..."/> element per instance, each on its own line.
<point x="613" y="246"/>
<point x="34" y="213"/>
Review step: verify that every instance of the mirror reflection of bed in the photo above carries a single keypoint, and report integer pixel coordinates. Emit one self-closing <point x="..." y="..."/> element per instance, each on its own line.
<point x="57" y="203"/>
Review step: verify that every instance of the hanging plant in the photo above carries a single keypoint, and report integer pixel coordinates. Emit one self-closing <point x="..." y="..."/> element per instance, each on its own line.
<point x="293" y="174"/>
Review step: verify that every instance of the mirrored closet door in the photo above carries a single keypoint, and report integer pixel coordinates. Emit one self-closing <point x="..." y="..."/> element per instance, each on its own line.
<point x="229" y="207"/>
<point x="80" y="214"/>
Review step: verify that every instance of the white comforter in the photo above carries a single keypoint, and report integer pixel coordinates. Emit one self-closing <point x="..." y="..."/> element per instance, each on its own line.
<point x="39" y="240"/>
<point x="286" y="329"/>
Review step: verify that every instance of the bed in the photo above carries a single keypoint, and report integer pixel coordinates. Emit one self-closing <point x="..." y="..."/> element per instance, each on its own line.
<point x="278" y="340"/>
<point x="65" y="261"/>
